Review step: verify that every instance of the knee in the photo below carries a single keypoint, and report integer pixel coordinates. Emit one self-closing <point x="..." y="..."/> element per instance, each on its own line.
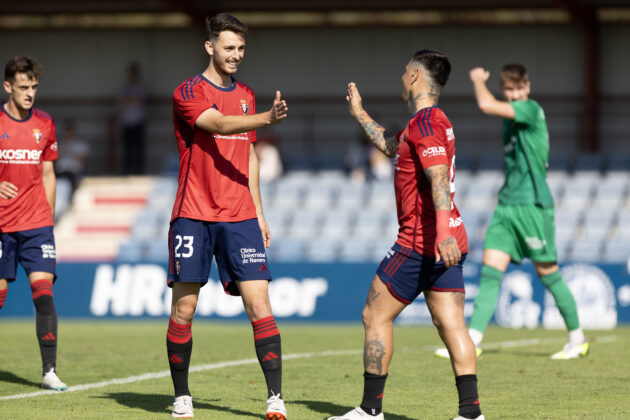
<point x="183" y="312"/>
<point x="258" y="308"/>
<point x="373" y="318"/>
<point x="546" y="269"/>
<point x="437" y="323"/>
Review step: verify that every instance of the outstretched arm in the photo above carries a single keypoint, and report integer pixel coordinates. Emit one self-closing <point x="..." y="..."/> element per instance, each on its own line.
<point x="446" y="244"/>
<point x="214" y="121"/>
<point x="383" y="139"/>
<point x="485" y="99"/>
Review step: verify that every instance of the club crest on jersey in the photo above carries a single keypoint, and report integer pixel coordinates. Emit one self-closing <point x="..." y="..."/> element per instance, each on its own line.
<point x="244" y="107"/>
<point x="37" y="135"/>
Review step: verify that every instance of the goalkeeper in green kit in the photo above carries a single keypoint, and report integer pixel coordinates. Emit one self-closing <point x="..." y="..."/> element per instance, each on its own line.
<point x="523" y="222"/>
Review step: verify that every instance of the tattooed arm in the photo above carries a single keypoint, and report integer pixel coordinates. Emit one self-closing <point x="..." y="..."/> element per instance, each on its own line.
<point x="446" y="244"/>
<point x="383" y="139"/>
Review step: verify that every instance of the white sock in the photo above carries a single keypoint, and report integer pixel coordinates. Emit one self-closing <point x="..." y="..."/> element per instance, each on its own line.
<point x="576" y="336"/>
<point x="476" y="336"/>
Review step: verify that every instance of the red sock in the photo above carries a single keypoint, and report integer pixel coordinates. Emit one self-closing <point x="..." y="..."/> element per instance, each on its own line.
<point x="3" y="297"/>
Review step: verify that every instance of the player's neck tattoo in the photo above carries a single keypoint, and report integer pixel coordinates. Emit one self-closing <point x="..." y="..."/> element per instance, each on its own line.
<point x="432" y="96"/>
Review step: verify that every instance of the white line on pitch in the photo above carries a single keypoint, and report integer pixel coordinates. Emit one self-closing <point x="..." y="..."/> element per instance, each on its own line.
<point x="212" y="366"/>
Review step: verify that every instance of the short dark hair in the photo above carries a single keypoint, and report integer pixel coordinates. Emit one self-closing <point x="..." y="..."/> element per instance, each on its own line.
<point x="514" y="72"/>
<point x="22" y="64"/>
<point x="436" y="64"/>
<point x="224" y="22"/>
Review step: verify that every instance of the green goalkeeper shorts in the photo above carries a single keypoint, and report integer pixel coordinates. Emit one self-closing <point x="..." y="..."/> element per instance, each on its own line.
<point x="523" y="231"/>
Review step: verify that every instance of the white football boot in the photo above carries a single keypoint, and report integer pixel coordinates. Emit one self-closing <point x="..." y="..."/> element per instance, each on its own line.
<point x="50" y="380"/>
<point x="183" y="407"/>
<point x="275" y="408"/>
<point x="358" y="414"/>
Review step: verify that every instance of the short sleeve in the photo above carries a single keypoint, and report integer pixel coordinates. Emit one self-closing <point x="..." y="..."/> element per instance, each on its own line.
<point x="431" y="151"/>
<point x="526" y="112"/>
<point x="189" y="103"/>
<point x="51" y="151"/>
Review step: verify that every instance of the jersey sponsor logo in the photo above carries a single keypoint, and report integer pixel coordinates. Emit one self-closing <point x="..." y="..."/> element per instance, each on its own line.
<point x="455" y="222"/>
<point x="4" y="135"/>
<point x="450" y="135"/>
<point x="37" y="135"/>
<point x="535" y="243"/>
<point x="241" y="136"/>
<point x="53" y="146"/>
<point x="20" y="156"/>
<point x="244" y="106"/>
<point x="396" y="162"/>
<point x="434" y="151"/>
<point x="48" y="251"/>
<point x="141" y="290"/>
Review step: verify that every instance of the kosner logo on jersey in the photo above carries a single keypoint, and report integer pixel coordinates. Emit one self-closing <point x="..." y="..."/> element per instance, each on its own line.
<point x="7" y="155"/>
<point x="139" y="290"/>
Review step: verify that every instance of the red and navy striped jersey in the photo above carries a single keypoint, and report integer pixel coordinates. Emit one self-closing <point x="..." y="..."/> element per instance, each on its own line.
<point x="427" y="140"/>
<point x="213" y="168"/>
<point x="24" y="146"/>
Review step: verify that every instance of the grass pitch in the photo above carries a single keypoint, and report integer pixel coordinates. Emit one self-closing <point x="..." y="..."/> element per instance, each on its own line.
<point x="322" y="373"/>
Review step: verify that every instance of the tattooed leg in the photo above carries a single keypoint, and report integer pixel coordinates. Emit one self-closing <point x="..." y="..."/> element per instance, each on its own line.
<point x="380" y="310"/>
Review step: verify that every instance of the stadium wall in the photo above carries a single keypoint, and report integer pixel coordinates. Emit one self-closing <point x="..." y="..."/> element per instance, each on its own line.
<point x="311" y="66"/>
<point x="324" y="293"/>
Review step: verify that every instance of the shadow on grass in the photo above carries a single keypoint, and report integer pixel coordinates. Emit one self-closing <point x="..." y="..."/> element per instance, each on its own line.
<point x="330" y="409"/>
<point x="162" y="403"/>
<point x="13" y="378"/>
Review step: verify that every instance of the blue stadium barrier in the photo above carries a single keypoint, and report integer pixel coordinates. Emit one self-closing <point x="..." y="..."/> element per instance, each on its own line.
<point x="324" y="292"/>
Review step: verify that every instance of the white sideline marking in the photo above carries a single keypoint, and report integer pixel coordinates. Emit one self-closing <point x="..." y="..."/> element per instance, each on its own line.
<point x="212" y="366"/>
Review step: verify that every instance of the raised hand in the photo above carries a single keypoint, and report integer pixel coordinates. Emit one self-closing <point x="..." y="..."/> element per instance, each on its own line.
<point x="278" y="110"/>
<point x="355" y="104"/>
<point x="479" y="74"/>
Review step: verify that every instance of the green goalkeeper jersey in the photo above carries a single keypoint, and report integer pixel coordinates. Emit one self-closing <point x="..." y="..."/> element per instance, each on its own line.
<point x="526" y="147"/>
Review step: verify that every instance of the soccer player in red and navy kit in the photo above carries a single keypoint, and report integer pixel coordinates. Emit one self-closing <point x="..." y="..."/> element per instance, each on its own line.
<point x="28" y="147"/>
<point x="431" y="246"/>
<point x="218" y="210"/>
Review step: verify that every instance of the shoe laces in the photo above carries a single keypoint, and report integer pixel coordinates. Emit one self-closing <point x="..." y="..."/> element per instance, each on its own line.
<point x="182" y="402"/>
<point x="275" y="401"/>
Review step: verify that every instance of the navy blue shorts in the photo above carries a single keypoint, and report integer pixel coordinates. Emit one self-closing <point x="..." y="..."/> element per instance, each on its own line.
<point x="237" y="247"/>
<point x="34" y="249"/>
<point x="407" y="274"/>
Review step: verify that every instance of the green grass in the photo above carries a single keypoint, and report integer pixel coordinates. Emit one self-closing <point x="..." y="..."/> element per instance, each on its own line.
<point x="518" y="382"/>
